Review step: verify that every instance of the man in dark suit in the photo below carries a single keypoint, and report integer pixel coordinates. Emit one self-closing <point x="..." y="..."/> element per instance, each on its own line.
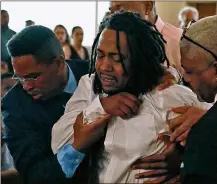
<point x="199" y="60"/>
<point x="35" y="103"/>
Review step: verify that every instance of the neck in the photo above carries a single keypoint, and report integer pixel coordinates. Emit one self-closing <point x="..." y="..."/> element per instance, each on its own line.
<point x="77" y="46"/>
<point x="3" y="26"/>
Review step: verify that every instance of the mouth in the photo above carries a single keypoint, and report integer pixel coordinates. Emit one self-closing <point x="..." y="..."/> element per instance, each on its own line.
<point x="35" y="95"/>
<point x="107" y="80"/>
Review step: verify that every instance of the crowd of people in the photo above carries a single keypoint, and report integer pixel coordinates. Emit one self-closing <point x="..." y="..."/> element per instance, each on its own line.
<point x="140" y="109"/>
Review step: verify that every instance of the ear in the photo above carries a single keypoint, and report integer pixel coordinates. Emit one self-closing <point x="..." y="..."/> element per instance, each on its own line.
<point x="60" y="61"/>
<point x="148" y="6"/>
<point x="215" y="66"/>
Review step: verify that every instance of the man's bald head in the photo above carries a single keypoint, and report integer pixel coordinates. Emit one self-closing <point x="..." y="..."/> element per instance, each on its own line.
<point x="199" y="64"/>
<point x="203" y="32"/>
<point x="146" y="9"/>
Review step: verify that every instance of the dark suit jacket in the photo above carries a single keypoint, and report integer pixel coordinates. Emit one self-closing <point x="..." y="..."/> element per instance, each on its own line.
<point x="28" y="125"/>
<point x="79" y="67"/>
<point x="200" y="158"/>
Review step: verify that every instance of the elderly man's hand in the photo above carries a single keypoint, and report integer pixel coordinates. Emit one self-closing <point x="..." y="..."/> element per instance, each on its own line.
<point x="181" y="125"/>
<point x="87" y="134"/>
<point x="165" y="166"/>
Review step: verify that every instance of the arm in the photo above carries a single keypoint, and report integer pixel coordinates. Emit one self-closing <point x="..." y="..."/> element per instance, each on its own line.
<point x="29" y="150"/>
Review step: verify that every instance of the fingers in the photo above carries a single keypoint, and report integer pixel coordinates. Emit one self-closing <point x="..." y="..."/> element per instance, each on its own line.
<point x="126" y="111"/>
<point x="156" y="165"/>
<point x="99" y="122"/>
<point x="174" y="123"/>
<point x="79" y="121"/>
<point x="180" y="110"/>
<point x="151" y="174"/>
<point x="183" y="136"/>
<point x="132" y="97"/>
<point x="160" y="179"/>
<point x="152" y="158"/>
<point x="180" y="130"/>
<point x="164" y="138"/>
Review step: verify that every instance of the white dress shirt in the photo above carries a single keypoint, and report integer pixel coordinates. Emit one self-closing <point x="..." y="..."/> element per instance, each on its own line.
<point x="126" y="140"/>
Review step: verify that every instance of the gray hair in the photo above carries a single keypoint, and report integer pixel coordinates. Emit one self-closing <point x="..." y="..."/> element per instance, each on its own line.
<point x="203" y="32"/>
<point x="186" y="9"/>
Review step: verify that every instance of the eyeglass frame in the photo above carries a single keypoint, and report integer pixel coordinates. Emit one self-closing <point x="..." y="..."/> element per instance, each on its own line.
<point x="29" y="79"/>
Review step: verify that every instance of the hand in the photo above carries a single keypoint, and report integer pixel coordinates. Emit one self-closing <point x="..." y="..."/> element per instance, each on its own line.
<point x="123" y="104"/>
<point x="181" y="125"/>
<point x="87" y="134"/>
<point x="167" y="81"/>
<point x="166" y="165"/>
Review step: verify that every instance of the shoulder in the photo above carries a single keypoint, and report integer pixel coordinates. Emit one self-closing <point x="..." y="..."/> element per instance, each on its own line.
<point x="175" y="96"/>
<point x="172" y="32"/>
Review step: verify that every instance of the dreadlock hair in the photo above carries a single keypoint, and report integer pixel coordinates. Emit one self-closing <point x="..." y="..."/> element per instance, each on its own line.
<point x="147" y="51"/>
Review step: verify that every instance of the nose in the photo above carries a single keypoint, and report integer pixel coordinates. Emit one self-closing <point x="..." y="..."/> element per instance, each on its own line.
<point x="27" y="85"/>
<point x="106" y="65"/>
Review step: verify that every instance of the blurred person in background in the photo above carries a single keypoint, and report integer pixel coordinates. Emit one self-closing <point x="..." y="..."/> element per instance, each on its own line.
<point x="29" y="23"/>
<point x="187" y="16"/>
<point x="78" y="51"/>
<point x="6" y="34"/>
<point x="6" y="160"/>
<point x="63" y="36"/>
<point x="171" y="34"/>
<point x="4" y="67"/>
<point x="6" y="83"/>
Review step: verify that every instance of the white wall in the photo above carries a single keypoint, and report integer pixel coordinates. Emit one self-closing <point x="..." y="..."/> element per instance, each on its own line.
<point x="168" y="11"/>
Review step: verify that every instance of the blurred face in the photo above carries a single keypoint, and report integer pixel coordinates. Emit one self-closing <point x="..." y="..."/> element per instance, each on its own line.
<point x="190" y="15"/>
<point x="141" y="7"/>
<point x="61" y="34"/>
<point x="78" y="35"/>
<point x="41" y="80"/>
<point x="6" y="85"/>
<point x="108" y="66"/>
<point x="201" y="76"/>
<point x="4" y="67"/>
<point x="4" y="18"/>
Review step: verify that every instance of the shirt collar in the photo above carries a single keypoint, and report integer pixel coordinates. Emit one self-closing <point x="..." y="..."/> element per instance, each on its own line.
<point x="70" y="87"/>
<point x="159" y="24"/>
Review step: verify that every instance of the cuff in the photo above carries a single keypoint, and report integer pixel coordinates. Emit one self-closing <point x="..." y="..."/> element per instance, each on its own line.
<point x="69" y="159"/>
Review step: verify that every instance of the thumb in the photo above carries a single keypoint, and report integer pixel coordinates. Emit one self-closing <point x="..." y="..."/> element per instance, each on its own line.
<point x="164" y="138"/>
<point x="180" y="110"/>
<point x="99" y="122"/>
<point x="79" y="121"/>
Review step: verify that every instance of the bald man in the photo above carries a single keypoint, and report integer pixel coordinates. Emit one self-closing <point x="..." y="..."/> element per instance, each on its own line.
<point x="147" y="10"/>
<point x="199" y="60"/>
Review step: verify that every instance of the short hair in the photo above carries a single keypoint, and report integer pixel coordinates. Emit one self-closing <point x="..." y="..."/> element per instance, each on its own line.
<point x="4" y="11"/>
<point x="38" y="41"/>
<point x="67" y="35"/>
<point x="76" y="27"/>
<point x="186" y="9"/>
<point x="203" y="32"/>
<point x="146" y="47"/>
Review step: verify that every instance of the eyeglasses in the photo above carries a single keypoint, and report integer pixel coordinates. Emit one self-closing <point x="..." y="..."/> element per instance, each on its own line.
<point x="23" y="79"/>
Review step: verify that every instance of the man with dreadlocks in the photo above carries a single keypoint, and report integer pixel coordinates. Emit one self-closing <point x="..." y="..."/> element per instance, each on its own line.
<point x="126" y="69"/>
<point x="171" y="34"/>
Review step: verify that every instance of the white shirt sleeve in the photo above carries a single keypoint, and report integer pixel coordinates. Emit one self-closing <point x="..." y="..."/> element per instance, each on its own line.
<point x="82" y="100"/>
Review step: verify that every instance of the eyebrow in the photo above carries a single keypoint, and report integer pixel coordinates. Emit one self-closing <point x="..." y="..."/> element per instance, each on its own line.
<point x="113" y="53"/>
<point x="29" y="75"/>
